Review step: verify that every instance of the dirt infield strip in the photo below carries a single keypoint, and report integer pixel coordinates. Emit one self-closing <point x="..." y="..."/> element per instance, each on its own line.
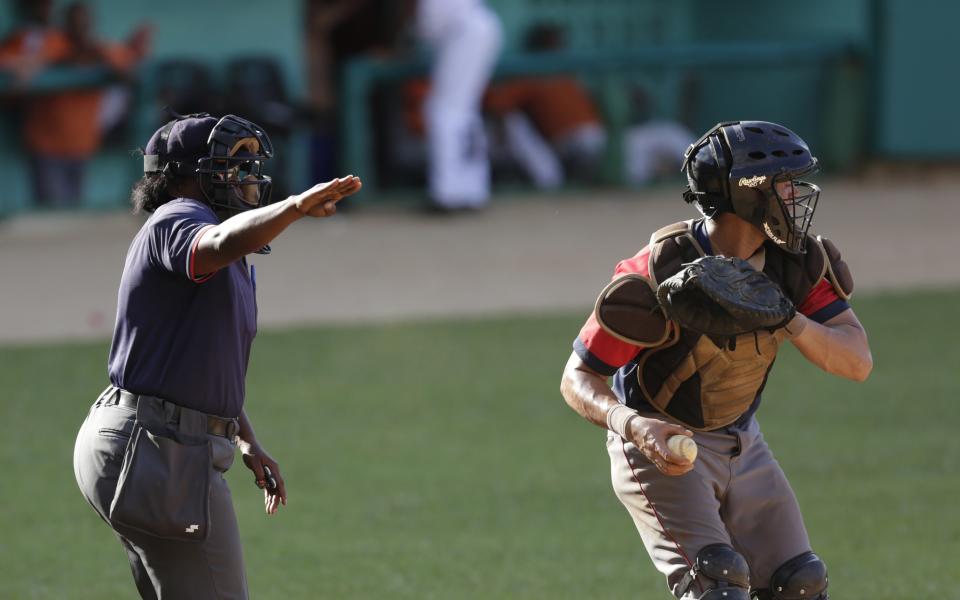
<point x="525" y="255"/>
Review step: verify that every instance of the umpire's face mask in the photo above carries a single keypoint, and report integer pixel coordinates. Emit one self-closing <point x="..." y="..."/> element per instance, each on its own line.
<point x="239" y="185"/>
<point x="244" y="185"/>
<point x="243" y="175"/>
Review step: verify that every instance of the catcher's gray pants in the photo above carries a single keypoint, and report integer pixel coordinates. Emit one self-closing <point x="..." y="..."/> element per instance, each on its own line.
<point x="736" y="494"/>
<point x="162" y="568"/>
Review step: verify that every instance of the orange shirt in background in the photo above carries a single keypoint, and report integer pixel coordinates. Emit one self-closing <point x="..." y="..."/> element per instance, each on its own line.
<point x="63" y="124"/>
<point x="556" y="105"/>
<point x="414" y="93"/>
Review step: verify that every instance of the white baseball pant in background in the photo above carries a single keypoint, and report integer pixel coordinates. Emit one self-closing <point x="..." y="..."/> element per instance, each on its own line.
<point x="466" y="37"/>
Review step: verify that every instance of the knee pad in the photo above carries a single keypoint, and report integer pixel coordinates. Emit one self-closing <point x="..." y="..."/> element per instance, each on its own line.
<point x="802" y="577"/>
<point x="726" y="593"/>
<point x="723" y="569"/>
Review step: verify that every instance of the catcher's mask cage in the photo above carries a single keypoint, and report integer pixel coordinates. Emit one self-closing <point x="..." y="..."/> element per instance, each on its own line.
<point x="754" y="169"/>
<point x="231" y="173"/>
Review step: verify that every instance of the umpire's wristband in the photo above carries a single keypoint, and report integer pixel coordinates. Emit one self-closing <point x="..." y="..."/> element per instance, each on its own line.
<point x="618" y="420"/>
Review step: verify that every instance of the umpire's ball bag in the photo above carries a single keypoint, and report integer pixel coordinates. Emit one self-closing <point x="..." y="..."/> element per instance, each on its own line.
<point x="164" y="482"/>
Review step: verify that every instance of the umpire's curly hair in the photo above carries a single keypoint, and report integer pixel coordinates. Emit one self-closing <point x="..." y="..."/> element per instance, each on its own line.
<point x="153" y="191"/>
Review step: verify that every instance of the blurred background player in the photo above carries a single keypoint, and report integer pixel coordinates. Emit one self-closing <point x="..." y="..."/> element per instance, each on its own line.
<point x="337" y="31"/>
<point x="550" y="124"/>
<point x="63" y="130"/>
<point x="465" y="37"/>
<point x="653" y="147"/>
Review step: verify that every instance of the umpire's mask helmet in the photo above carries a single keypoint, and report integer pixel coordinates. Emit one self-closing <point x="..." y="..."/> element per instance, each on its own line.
<point x="226" y="156"/>
<point x="753" y="169"/>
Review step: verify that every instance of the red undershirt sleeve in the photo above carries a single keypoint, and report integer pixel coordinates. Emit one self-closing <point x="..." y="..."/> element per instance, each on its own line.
<point x="822" y="303"/>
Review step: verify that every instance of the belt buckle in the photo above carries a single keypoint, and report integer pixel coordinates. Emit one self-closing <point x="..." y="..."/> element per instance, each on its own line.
<point x="232" y="429"/>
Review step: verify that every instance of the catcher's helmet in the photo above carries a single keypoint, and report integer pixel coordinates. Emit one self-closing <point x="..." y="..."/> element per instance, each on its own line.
<point x="226" y="156"/>
<point x="737" y="166"/>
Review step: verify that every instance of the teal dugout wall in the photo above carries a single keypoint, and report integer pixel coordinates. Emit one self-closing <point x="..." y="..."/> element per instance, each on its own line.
<point x="899" y="103"/>
<point x="211" y="31"/>
<point x="826" y="106"/>
<point x="779" y="91"/>
<point x="918" y="82"/>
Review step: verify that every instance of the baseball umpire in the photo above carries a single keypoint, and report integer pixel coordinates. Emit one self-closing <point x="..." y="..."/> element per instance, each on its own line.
<point x="727" y="524"/>
<point x="151" y="454"/>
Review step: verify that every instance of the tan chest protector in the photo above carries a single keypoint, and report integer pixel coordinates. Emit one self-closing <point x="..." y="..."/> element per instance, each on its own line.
<point x="707" y="384"/>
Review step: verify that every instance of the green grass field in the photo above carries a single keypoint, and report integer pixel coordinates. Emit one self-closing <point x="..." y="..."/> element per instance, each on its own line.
<point x="437" y="460"/>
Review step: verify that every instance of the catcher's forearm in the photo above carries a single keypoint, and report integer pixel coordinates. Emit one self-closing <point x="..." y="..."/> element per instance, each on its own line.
<point x="838" y="346"/>
<point x="587" y="392"/>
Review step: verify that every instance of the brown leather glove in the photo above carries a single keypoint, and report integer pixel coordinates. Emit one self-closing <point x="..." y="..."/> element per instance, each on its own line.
<point x="724" y="296"/>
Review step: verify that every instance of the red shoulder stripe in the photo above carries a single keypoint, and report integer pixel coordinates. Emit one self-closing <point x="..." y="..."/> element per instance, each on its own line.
<point x="193" y="251"/>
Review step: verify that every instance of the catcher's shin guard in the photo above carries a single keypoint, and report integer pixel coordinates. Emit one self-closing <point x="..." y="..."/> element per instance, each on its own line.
<point x="803" y="577"/>
<point x="721" y="568"/>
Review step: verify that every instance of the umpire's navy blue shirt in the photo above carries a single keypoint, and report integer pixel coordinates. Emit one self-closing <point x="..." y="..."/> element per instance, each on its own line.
<point x="179" y="336"/>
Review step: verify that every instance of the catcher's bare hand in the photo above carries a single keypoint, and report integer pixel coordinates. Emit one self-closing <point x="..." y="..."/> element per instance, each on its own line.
<point x="321" y="200"/>
<point x="650" y="436"/>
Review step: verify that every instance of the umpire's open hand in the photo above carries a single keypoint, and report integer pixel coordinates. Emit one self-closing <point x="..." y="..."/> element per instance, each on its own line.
<point x="650" y="436"/>
<point x="264" y="467"/>
<point x="321" y="200"/>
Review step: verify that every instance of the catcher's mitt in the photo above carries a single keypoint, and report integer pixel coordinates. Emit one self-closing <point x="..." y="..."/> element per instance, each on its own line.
<point x="720" y="296"/>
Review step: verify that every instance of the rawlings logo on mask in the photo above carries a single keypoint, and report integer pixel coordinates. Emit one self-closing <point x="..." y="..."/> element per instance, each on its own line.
<point x="773" y="235"/>
<point x="752" y="181"/>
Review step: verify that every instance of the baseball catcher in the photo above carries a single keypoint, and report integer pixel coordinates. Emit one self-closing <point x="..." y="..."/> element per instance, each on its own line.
<point x="689" y="329"/>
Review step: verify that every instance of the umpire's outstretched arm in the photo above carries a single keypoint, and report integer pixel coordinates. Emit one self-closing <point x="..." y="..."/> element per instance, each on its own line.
<point x="251" y="230"/>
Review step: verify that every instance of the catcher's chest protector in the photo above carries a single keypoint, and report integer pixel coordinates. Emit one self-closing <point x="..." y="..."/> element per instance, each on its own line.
<point x="707" y="384"/>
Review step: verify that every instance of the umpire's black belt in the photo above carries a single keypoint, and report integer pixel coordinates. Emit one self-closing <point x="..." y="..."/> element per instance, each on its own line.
<point x="221" y="426"/>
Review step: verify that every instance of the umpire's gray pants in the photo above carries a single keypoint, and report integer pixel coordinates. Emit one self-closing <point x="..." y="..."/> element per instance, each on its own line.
<point x="736" y="494"/>
<point x="162" y="568"/>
